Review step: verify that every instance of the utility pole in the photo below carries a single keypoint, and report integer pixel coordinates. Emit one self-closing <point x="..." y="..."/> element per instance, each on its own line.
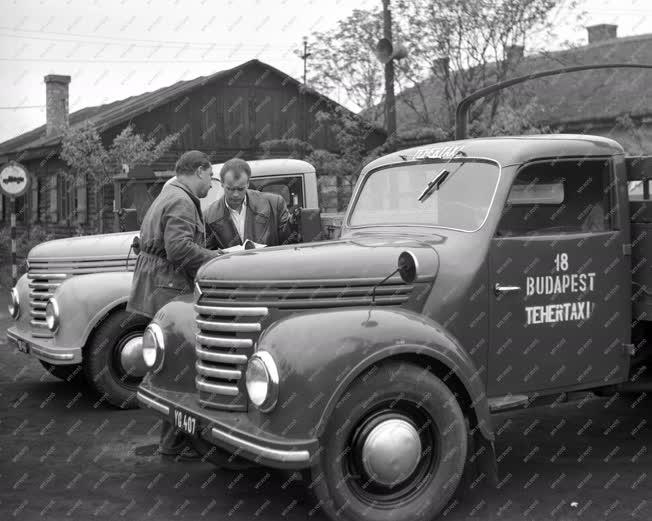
<point x="390" y="101"/>
<point x="303" y="129"/>
<point x="305" y="57"/>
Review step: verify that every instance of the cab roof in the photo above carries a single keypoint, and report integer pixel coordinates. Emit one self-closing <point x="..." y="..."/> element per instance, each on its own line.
<point x="271" y="167"/>
<point x="509" y="150"/>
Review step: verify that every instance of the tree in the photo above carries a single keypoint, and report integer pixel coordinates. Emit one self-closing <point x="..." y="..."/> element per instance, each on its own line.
<point x="455" y="48"/>
<point x="83" y="151"/>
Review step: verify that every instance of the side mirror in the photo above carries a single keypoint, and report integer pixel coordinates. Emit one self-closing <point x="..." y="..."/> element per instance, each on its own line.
<point x="407" y="267"/>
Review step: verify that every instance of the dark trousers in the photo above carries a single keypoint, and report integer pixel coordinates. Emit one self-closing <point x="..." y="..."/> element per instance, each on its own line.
<point x="173" y="441"/>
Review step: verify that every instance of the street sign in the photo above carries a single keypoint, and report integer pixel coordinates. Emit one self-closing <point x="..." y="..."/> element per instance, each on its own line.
<point x="14" y="179"/>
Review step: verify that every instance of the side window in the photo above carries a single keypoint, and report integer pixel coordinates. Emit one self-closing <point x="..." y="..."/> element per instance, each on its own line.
<point x="290" y="188"/>
<point x="553" y="197"/>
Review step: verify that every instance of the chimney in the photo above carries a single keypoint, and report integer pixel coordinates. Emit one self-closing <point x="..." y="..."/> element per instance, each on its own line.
<point x="56" y="103"/>
<point x="514" y="53"/>
<point x="602" y="32"/>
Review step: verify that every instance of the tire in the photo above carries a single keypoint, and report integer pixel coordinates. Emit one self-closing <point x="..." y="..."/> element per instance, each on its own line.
<point x="69" y="373"/>
<point x="220" y="458"/>
<point x="345" y="481"/>
<point x="102" y="363"/>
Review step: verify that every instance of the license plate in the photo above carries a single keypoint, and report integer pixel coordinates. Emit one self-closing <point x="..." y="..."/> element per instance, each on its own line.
<point x="23" y="346"/>
<point x="185" y="422"/>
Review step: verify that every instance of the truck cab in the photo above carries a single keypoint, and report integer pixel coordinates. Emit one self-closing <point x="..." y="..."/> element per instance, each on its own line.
<point x="69" y="308"/>
<point x="470" y="276"/>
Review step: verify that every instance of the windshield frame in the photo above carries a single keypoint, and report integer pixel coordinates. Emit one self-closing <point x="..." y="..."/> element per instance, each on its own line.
<point x="458" y="159"/>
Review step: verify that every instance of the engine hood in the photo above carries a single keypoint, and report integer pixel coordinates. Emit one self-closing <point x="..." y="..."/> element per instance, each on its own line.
<point x="85" y="247"/>
<point x="346" y="259"/>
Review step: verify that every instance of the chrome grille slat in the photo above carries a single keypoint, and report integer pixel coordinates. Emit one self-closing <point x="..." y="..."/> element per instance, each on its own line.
<point x="217" y="341"/>
<point x="38" y="304"/>
<point x="327" y="303"/>
<point x="222" y="358"/>
<point x="37" y="313"/>
<point x="216" y="372"/>
<point x="44" y="285"/>
<point x="230" y="311"/>
<point x="38" y="323"/>
<point x="223" y="389"/>
<point x="235" y="327"/>
<point x="311" y="293"/>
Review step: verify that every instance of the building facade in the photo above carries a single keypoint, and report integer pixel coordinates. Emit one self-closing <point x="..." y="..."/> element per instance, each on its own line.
<point x="227" y="114"/>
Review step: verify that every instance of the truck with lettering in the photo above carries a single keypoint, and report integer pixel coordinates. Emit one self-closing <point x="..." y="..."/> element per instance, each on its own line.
<point x="470" y="277"/>
<point x="69" y="308"/>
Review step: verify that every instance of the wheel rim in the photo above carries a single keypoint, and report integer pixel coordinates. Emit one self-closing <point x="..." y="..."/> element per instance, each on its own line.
<point x="128" y="364"/>
<point x="391" y="451"/>
<point x="393" y="454"/>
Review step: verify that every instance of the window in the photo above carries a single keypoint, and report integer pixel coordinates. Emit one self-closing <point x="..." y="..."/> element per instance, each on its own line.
<point x="290" y="188"/>
<point x="551" y="197"/>
<point x="460" y="200"/>
<point x="70" y="199"/>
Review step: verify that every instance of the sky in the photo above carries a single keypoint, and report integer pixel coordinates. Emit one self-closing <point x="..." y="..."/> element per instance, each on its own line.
<point x="117" y="49"/>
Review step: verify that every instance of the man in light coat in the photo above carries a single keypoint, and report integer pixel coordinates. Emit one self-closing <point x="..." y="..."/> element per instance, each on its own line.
<point x="172" y="248"/>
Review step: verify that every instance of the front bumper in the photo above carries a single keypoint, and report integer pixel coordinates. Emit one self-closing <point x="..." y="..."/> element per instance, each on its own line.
<point x="232" y="431"/>
<point x="44" y="348"/>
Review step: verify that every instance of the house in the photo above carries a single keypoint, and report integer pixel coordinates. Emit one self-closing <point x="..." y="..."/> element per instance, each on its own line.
<point x="582" y="102"/>
<point x="225" y="114"/>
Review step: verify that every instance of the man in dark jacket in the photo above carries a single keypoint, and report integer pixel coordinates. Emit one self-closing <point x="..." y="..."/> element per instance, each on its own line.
<point x="172" y="248"/>
<point x="242" y="214"/>
<point x="172" y="238"/>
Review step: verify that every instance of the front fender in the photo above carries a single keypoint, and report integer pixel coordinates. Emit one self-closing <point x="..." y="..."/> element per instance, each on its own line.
<point x="84" y="300"/>
<point x="319" y="354"/>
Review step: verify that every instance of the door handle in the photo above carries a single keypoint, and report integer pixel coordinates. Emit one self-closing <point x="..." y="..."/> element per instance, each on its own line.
<point x="499" y="289"/>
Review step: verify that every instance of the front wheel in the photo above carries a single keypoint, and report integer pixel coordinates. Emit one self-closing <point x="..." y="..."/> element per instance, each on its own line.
<point x="113" y="360"/>
<point x="394" y="447"/>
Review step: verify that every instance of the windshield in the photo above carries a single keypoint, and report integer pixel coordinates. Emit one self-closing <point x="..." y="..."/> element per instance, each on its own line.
<point x="390" y="195"/>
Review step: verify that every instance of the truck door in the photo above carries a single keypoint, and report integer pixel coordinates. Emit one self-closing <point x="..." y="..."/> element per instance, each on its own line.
<point x="560" y="280"/>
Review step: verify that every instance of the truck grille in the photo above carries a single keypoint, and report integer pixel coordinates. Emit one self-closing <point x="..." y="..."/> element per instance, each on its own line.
<point x="224" y="343"/>
<point x="230" y="316"/>
<point x="41" y="288"/>
<point x="46" y="275"/>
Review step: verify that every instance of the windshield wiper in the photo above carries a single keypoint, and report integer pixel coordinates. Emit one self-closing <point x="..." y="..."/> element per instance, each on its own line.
<point x="434" y="185"/>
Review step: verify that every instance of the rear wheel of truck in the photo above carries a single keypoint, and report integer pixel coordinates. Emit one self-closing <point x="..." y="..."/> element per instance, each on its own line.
<point x="68" y="373"/>
<point x="113" y="362"/>
<point x="394" y="447"/>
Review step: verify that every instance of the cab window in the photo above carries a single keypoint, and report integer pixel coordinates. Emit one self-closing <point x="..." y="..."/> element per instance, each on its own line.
<point x="289" y="187"/>
<point x="551" y="197"/>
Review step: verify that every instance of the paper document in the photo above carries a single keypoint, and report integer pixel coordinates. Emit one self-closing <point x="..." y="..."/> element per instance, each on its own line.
<point x="248" y="245"/>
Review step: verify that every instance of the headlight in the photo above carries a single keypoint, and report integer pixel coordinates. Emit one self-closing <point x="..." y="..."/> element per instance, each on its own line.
<point x="14" y="304"/>
<point x="262" y="381"/>
<point x="153" y="347"/>
<point x="52" y="315"/>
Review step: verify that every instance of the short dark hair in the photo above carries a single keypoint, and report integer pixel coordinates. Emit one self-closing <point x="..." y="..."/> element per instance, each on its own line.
<point x="237" y="165"/>
<point x="191" y="161"/>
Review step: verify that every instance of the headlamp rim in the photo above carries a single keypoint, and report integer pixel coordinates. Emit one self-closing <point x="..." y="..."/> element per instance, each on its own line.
<point x="54" y="305"/>
<point x="159" y="344"/>
<point x="268" y="363"/>
<point x="14" y="303"/>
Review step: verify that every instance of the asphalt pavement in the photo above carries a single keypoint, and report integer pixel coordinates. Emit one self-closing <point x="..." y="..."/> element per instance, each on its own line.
<point x="63" y="455"/>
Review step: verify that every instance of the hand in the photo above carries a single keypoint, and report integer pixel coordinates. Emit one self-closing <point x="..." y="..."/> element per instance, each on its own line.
<point x="295" y="216"/>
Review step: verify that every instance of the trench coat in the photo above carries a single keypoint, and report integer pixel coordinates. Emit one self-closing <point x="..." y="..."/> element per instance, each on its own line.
<point x="172" y="248"/>
<point x="267" y="222"/>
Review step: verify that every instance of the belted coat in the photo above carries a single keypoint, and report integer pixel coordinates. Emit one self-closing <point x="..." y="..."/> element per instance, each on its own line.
<point x="172" y="248"/>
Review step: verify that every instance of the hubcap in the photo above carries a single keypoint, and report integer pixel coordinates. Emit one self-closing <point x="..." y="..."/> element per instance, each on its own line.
<point x="391" y="451"/>
<point x="131" y="357"/>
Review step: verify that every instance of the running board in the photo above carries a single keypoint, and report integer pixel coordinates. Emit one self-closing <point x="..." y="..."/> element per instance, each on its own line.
<point x="511" y="401"/>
